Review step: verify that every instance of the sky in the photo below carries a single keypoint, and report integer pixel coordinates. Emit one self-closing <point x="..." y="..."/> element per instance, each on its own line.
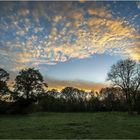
<point x="72" y="43"/>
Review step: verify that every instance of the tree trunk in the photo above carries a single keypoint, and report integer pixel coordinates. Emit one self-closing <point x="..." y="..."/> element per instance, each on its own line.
<point x="129" y="103"/>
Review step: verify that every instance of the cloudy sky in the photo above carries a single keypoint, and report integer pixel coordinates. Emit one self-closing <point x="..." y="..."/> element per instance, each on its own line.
<point x="71" y="43"/>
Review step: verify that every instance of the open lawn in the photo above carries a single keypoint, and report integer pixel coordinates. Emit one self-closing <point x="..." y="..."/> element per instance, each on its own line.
<point x="70" y="125"/>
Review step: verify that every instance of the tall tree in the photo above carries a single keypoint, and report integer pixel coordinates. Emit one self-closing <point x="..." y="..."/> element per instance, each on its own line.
<point x="126" y="74"/>
<point x="4" y="76"/>
<point x="29" y="83"/>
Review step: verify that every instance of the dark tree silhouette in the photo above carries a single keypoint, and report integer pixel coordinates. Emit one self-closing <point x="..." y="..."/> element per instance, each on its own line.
<point x="110" y="96"/>
<point x="29" y="84"/>
<point x="126" y="74"/>
<point x="4" y="76"/>
<point x="54" y="93"/>
<point x="115" y="92"/>
<point x="72" y="92"/>
<point x="67" y="92"/>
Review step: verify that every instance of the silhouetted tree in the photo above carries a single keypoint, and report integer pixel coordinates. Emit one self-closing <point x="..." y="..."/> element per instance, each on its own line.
<point x="112" y="98"/>
<point x="4" y="77"/>
<point x="137" y="104"/>
<point x="72" y="92"/>
<point x="126" y="74"/>
<point x="54" y="93"/>
<point x="29" y="84"/>
<point x="68" y="92"/>
<point x="116" y="91"/>
<point x="93" y="104"/>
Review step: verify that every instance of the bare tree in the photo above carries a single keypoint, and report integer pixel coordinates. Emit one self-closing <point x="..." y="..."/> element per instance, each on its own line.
<point x="126" y="74"/>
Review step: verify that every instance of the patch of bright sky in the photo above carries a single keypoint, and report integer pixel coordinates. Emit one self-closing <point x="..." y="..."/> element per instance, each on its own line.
<point x="93" y="69"/>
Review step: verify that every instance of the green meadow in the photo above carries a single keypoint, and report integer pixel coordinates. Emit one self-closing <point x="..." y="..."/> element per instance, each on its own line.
<point x="70" y="125"/>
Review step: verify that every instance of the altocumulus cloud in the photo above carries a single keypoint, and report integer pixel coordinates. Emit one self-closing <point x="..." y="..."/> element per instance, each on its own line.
<point x="138" y="5"/>
<point x="36" y="33"/>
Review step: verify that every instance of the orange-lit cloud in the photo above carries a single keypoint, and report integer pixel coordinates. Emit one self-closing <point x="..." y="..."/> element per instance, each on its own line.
<point x="138" y="5"/>
<point x="100" y="33"/>
<point x="101" y="12"/>
<point x="135" y="53"/>
<point x="82" y="1"/>
<point x="23" y="12"/>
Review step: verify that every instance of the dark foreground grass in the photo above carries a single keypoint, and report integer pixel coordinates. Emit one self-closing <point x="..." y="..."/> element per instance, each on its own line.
<point x="70" y="125"/>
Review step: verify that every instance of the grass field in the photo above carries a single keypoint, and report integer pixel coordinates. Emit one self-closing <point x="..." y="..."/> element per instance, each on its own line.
<point x="70" y="125"/>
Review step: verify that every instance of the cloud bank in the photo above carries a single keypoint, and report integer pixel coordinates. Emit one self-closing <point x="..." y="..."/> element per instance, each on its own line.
<point x="38" y="33"/>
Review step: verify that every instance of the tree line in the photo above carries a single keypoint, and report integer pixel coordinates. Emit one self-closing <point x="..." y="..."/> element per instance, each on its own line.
<point x="29" y="92"/>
